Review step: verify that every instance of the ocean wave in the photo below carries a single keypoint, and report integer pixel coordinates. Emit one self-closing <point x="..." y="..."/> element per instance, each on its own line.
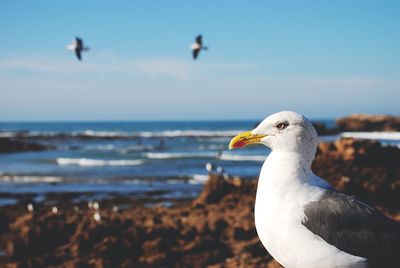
<point x="237" y="157"/>
<point x="180" y="155"/>
<point x="7" y="134"/>
<point x="216" y="134"/>
<point x="107" y="147"/>
<point x="372" y="135"/>
<point x="97" y="162"/>
<point x="189" y="133"/>
<point x="135" y="149"/>
<point x="212" y="147"/>
<point x="122" y="135"/>
<point x="29" y="179"/>
<point x="198" y="179"/>
<point x="119" y="149"/>
<point x="101" y="134"/>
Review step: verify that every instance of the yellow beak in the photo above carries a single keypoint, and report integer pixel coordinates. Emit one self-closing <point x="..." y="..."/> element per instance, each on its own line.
<point x="244" y="139"/>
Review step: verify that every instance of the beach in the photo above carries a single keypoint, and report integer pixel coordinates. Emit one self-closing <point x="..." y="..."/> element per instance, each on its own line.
<point x="215" y="134"/>
<point x="210" y="225"/>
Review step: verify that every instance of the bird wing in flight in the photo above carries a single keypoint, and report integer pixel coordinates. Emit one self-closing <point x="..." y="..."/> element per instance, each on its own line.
<point x="199" y="40"/>
<point x="79" y="43"/>
<point x="78" y="54"/>
<point x="196" y="53"/>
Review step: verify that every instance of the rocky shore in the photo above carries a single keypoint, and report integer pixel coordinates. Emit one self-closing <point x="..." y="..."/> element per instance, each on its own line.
<point x="360" y="123"/>
<point x="26" y="141"/>
<point x="214" y="230"/>
<point x="365" y="122"/>
<point x="12" y="145"/>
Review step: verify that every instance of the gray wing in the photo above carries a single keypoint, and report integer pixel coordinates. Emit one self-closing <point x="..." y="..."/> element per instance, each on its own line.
<point x="199" y="40"/>
<point x="79" y="43"/>
<point x="196" y="53"/>
<point x="353" y="227"/>
<point x="78" y="54"/>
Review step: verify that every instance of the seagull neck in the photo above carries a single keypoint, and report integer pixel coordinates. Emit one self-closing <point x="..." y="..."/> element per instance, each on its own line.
<point x="283" y="176"/>
<point x="288" y="166"/>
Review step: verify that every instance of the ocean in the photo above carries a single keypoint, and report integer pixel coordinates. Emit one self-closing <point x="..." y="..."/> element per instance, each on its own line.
<point x="130" y="157"/>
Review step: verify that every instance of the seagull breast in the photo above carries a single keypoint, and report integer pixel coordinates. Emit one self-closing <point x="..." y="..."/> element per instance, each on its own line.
<point x="195" y="46"/>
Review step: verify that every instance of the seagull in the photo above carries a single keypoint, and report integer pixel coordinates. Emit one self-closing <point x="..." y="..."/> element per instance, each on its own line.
<point x="97" y="216"/>
<point x="54" y="209"/>
<point x="30" y="207"/>
<point x="220" y="170"/>
<point x="209" y="167"/>
<point x="197" y="46"/>
<point x="96" y="205"/>
<point x="301" y="219"/>
<point x="77" y="46"/>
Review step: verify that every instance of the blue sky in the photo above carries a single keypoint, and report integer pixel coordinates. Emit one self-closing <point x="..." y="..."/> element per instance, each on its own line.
<point x="321" y="58"/>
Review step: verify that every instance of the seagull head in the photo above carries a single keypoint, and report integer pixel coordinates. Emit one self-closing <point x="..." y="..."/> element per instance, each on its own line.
<point x="282" y="131"/>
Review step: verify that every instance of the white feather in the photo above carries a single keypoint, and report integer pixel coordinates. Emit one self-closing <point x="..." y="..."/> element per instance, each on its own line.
<point x="285" y="185"/>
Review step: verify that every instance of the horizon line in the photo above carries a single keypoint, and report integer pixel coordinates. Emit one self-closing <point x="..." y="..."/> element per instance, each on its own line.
<point x="142" y="120"/>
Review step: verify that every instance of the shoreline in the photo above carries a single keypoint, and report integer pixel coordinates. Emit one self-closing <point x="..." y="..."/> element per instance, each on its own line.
<point x="215" y="229"/>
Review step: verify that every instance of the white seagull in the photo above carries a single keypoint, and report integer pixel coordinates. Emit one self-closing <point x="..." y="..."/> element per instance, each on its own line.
<point x="78" y="47"/>
<point x="96" y="205"/>
<point x="30" y="207"/>
<point x="197" y="46"/>
<point x="209" y="167"/>
<point x="54" y="209"/>
<point x="300" y="219"/>
<point x="97" y="216"/>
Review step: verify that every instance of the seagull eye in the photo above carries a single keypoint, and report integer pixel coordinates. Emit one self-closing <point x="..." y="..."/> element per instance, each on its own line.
<point x="282" y="125"/>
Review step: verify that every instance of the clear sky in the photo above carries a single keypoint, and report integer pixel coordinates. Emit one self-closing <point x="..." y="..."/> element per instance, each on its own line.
<point x="321" y="58"/>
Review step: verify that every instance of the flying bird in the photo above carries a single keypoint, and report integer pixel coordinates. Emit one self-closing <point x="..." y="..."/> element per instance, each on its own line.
<point x="300" y="219"/>
<point x="197" y="46"/>
<point x="78" y="47"/>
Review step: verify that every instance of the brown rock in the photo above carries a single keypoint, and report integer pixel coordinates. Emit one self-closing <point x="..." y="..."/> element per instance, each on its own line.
<point x="364" y="122"/>
<point x="216" y="230"/>
<point x="215" y="189"/>
<point x="9" y="145"/>
<point x="362" y="168"/>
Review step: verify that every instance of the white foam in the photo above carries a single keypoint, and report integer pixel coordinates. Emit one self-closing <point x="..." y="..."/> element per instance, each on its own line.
<point x="97" y="162"/>
<point x="372" y="135"/>
<point x="40" y="134"/>
<point x="101" y="134"/>
<point x="138" y="148"/>
<point x="120" y="134"/>
<point x="174" y="181"/>
<point x="179" y="155"/>
<point x="6" y="134"/>
<point x="189" y="133"/>
<point x="107" y="147"/>
<point x="212" y="147"/>
<point x="237" y="157"/>
<point x="198" y="179"/>
<point x="30" y="179"/>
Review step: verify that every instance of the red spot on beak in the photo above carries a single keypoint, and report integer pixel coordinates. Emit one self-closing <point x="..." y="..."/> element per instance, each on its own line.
<point x="239" y="144"/>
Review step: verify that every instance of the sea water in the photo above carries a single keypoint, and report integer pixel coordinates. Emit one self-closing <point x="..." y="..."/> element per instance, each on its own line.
<point x="129" y="157"/>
